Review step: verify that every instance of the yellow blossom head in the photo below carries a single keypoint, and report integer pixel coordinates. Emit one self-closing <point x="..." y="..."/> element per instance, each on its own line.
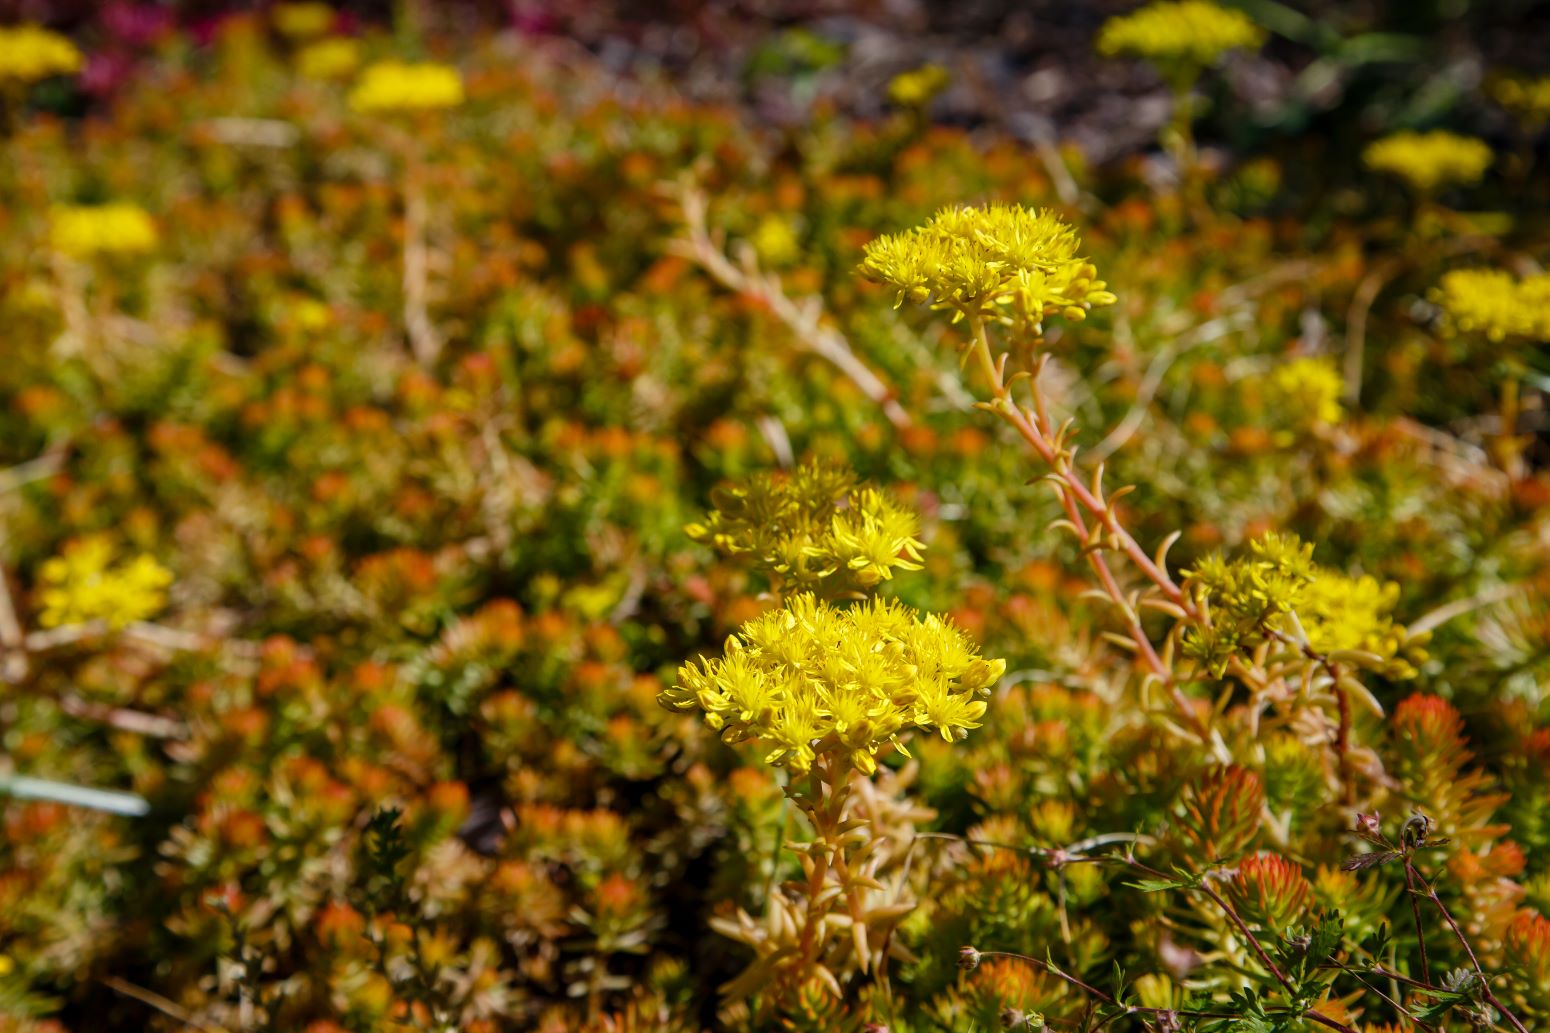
<point x="998" y="260"/>
<point x="1182" y="32"/>
<point x="811" y="680"/>
<point x="775" y="241"/>
<point x="87" y="582"/>
<point x="1525" y="97"/>
<point x="1339" y="611"/>
<point x="1275" y="587"/>
<point x="814" y="529"/>
<point x="1306" y="392"/>
<point x="397" y="86"/>
<point x="30" y="52"/>
<point x="334" y="58"/>
<point x="83" y="230"/>
<point x="302" y="20"/>
<point x="916" y="88"/>
<point x="1494" y="303"/>
<point x="1429" y="161"/>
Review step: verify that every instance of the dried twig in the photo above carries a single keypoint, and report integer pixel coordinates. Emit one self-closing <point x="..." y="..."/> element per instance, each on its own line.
<point x="423" y="340"/>
<point x="1458" y="607"/>
<point x="124" y="719"/>
<point x="13" y="644"/>
<point x="167" y="1007"/>
<point x="1151" y="381"/>
<point x="803" y="319"/>
<point x="1356" y="326"/>
<point x="45" y="465"/>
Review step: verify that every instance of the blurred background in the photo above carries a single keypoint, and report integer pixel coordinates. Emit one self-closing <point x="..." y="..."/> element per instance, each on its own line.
<point x="347" y="449"/>
<point x="1334" y="69"/>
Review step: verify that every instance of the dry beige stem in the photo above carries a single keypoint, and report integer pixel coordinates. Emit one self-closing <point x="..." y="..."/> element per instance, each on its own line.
<point x="804" y="319"/>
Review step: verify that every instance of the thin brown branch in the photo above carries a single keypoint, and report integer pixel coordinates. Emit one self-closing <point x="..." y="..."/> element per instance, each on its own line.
<point x="45" y="465"/>
<point x="423" y="340"/>
<point x="155" y="726"/>
<point x="1342" y="703"/>
<point x="803" y="319"/>
<point x="13" y="644"/>
<point x="1430" y="892"/>
<point x="1356" y="326"/>
<point x="167" y="1007"/>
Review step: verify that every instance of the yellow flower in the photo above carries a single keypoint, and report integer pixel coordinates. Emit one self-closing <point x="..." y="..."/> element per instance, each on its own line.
<point x="84" y="583"/>
<point x="811" y="679"/>
<point x="1428" y="161"/>
<point x="1306" y="392"/>
<point x="334" y="58"/>
<point x="1493" y="303"/>
<point x="1191" y="32"/>
<point x="396" y="86"/>
<point x="915" y="89"/>
<point x="82" y="230"/>
<point x="1343" y="612"/>
<point x="814" y="529"/>
<point x="994" y="260"/>
<point x="775" y="242"/>
<point x="1527" y="98"/>
<point x="1250" y="596"/>
<point x="29" y="53"/>
<point x="312" y="314"/>
<point x="302" y="20"/>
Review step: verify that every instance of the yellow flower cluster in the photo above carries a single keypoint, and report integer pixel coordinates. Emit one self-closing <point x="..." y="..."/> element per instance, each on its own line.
<point x="1306" y="392"/>
<point x="334" y="58"/>
<point x="1343" y="612"/>
<point x="1190" y="32"/>
<point x="1250" y="596"/>
<point x="1494" y="303"/>
<point x="1253" y="588"/>
<point x="775" y="241"/>
<point x="1527" y="98"/>
<point x="82" y="230"/>
<point x="86" y="583"/>
<point x="811" y="679"/>
<point x="815" y="529"/>
<point x="302" y="20"/>
<point x="397" y="86"/>
<point x="30" y="52"/>
<point x="1429" y="161"/>
<point x="996" y="260"/>
<point x="916" y="88"/>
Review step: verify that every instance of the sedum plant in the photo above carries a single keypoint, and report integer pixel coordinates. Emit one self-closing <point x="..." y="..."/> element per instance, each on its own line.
<point x="1184" y="36"/>
<point x="1181" y="38"/>
<point x="415" y="93"/>
<point x="1429" y="162"/>
<point x="88" y="582"/>
<point x="29" y="54"/>
<point x="822" y="689"/>
<point x="1270" y="625"/>
<point x="80" y="238"/>
<point x="81" y="231"/>
<point x="1495" y="305"/>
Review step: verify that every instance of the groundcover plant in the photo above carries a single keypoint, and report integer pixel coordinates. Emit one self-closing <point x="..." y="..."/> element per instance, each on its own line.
<point x="490" y="543"/>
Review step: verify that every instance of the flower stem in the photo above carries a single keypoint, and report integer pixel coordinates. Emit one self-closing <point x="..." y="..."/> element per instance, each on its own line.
<point x="1075" y="497"/>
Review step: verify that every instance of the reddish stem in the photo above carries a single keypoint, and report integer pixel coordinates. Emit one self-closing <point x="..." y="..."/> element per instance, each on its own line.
<point x="1074" y="497"/>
